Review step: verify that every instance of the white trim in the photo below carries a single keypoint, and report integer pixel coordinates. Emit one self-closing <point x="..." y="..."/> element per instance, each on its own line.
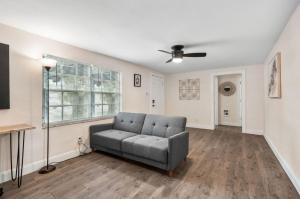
<point x="216" y="101"/>
<point x="285" y="165"/>
<point x="230" y="124"/>
<point x="242" y="72"/>
<point x="32" y="167"/>
<point x="121" y="91"/>
<point x="199" y="126"/>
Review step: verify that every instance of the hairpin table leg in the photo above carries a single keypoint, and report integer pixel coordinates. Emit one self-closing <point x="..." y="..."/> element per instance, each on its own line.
<point x="20" y="159"/>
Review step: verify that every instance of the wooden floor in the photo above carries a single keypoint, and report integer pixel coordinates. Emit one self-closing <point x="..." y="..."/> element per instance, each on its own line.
<point x="221" y="164"/>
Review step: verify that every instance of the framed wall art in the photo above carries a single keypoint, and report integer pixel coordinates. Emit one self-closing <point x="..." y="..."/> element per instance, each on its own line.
<point x="189" y="89"/>
<point x="274" y="86"/>
<point x="137" y="80"/>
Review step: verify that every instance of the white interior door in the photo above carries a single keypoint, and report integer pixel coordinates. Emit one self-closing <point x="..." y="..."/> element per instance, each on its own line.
<point x="157" y="97"/>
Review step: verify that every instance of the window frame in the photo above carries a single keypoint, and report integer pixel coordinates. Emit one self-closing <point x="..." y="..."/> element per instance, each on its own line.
<point x="91" y="92"/>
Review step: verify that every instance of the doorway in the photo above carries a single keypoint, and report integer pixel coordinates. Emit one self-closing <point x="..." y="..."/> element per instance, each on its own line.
<point x="229" y="101"/>
<point x="157" y="95"/>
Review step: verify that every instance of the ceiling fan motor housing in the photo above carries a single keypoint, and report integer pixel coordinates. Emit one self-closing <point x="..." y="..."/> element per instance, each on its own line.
<point x="177" y="51"/>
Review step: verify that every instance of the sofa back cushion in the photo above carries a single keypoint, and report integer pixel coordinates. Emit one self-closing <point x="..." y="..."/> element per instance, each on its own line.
<point x="131" y="122"/>
<point x="163" y="126"/>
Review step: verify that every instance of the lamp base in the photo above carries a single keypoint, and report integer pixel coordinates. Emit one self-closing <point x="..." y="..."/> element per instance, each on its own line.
<point x="1" y="191"/>
<point x="47" y="169"/>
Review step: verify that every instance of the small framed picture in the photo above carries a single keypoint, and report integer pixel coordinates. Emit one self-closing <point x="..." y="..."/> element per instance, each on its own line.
<point x="137" y="80"/>
<point x="275" y="77"/>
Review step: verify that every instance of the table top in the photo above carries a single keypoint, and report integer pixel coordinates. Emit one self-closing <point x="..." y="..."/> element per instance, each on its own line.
<point x="15" y="128"/>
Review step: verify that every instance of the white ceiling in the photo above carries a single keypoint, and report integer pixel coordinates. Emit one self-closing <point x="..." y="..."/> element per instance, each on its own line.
<point x="232" y="32"/>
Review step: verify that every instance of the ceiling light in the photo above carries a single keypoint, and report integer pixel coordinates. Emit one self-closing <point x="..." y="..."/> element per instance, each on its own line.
<point x="177" y="60"/>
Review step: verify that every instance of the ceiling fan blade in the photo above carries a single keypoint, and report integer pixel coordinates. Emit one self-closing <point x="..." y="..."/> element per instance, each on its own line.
<point x="165" y="51"/>
<point x="194" y="55"/>
<point x="169" y="60"/>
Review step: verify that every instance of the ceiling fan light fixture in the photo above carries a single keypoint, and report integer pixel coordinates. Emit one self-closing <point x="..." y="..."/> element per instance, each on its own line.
<point x="177" y="60"/>
<point x="178" y="53"/>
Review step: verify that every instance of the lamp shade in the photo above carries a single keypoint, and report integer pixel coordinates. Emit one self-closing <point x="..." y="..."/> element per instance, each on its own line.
<point x="47" y="62"/>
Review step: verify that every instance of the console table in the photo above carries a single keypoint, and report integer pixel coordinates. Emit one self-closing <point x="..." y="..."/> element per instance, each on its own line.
<point x="21" y="130"/>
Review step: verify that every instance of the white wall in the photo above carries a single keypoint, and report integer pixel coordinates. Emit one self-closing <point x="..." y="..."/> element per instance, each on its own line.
<point x="230" y="103"/>
<point x="282" y="116"/>
<point x="199" y="112"/>
<point x="26" y="93"/>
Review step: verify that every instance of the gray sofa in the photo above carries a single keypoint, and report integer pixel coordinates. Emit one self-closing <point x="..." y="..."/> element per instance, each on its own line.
<point x="155" y="140"/>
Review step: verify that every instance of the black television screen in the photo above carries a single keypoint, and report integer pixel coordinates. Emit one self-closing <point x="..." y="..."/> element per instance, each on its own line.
<point x="4" y="77"/>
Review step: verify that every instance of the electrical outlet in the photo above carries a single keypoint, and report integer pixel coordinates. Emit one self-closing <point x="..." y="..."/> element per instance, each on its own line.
<point x="80" y="141"/>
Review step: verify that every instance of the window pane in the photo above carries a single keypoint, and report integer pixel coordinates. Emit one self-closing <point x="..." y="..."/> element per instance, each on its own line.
<point x="97" y="111"/>
<point x="110" y="98"/>
<point x="115" y="108"/>
<point x="70" y="98"/>
<point x="69" y="82"/>
<point x="84" y="98"/>
<point x="54" y="82"/>
<point x="83" y="70"/>
<point x="110" y="109"/>
<point x="110" y="86"/>
<point x="96" y="85"/>
<point x="97" y="98"/>
<point x="105" y="109"/>
<point x="114" y="76"/>
<point x="55" y="114"/>
<point x="83" y="83"/>
<point x="69" y="112"/>
<point x="83" y="112"/>
<point x="69" y="69"/>
<point x="54" y="98"/>
<point x="106" y="75"/>
<point x="96" y="78"/>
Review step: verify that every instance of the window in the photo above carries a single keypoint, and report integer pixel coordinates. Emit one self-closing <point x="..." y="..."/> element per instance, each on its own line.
<point x="79" y="92"/>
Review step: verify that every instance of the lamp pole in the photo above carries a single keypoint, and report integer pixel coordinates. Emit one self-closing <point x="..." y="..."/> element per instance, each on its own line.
<point x="48" y="168"/>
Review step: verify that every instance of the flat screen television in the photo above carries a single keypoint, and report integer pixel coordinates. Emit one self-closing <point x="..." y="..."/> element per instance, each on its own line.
<point x="4" y="77"/>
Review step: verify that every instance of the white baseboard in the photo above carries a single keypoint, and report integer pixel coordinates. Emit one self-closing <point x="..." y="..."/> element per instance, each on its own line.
<point x="230" y="124"/>
<point x="31" y="167"/>
<point x="254" y="131"/>
<point x="199" y="126"/>
<point x="285" y="165"/>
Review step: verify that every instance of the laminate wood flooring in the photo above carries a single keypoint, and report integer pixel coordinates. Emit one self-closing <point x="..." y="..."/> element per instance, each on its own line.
<point x="221" y="164"/>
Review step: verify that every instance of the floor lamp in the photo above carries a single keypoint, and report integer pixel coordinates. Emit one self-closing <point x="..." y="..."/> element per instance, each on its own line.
<point x="48" y="64"/>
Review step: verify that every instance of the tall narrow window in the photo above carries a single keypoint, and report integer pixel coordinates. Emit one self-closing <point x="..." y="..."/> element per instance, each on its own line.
<point x="80" y="92"/>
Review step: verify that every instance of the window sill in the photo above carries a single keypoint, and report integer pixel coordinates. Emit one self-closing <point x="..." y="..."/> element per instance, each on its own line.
<point x="67" y="123"/>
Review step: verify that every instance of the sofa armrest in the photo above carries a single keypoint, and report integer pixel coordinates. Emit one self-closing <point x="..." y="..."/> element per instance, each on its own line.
<point x="98" y="128"/>
<point x="178" y="149"/>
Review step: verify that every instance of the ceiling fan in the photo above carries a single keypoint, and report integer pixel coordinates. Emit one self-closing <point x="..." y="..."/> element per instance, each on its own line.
<point x="178" y="54"/>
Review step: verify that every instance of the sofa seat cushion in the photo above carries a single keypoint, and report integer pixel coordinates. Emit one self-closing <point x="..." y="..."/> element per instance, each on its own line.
<point x="111" y="139"/>
<point x="145" y="146"/>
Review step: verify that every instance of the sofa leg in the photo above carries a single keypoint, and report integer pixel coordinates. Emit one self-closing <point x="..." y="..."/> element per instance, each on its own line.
<point x="185" y="159"/>
<point x="171" y="173"/>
